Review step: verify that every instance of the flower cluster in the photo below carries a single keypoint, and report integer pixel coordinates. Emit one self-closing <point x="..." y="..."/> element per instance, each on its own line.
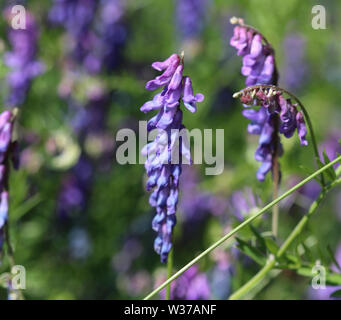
<point x="276" y="114"/>
<point x="94" y="43"/>
<point x="8" y="153"/>
<point x="192" y="285"/>
<point x="244" y="203"/>
<point x="331" y="146"/>
<point x="75" y="188"/>
<point x="272" y="100"/>
<point x="195" y="204"/>
<point x="258" y="55"/>
<point x="24" y="66"/>
<point x="190" y="16"/>
<point x="161" y="165"/>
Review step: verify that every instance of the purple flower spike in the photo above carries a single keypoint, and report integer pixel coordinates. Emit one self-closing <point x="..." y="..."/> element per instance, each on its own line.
<point x="163" y="173"/>
<point x="258" y="68"/>
<point x="290" y="119"/>
<point x="275" y="114"/>
<point x="192" y="285"/>
<point x="7" y="149"/>
<point x="332" y="147"/>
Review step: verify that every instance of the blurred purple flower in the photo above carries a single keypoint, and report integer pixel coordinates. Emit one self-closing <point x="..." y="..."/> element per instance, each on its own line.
<point x="22" y="60"/>
<point x="163" y="175"/>
<point x="191" y="285"/>
<point x="259" y="68"/>
<point x="87" y="121"/>
<point x="96" y="33"/>
<point x="124" y="259"/>
<point x="190" y="17"/>
<point x="195" y="204"/>
<point x="305" y="196"/>
<point x="8" y="154"/>
<point x="281" y="113"/>
<point x="112" y="33"/>
<point x="243" y="203"/>
<point x="332" y="146"/>
<point x="75" y="15"/>
<point x="75" y="188"/>
<point x="220" y="275"/>
<point x="295" y="69"/>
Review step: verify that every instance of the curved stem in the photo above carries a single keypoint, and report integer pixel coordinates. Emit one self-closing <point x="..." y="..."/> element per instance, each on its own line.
<point x="293" y="235"/>
<point x="240" y="226"/>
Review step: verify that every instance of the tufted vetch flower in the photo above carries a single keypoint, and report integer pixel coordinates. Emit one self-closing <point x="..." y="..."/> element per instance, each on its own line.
<point x="170" y="148"/>
<point x="276" y="114"/>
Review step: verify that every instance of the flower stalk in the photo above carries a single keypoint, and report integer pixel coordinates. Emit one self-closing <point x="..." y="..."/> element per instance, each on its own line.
<point x="244" y="224"/>
<point x="271" y="263"/>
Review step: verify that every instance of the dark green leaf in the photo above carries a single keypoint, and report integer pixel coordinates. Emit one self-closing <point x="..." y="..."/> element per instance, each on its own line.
<point x="330" y="171"/>
<point x="310" y="172"/>
<point x="259" y="237"/>
<point x="251" y="251"/>
<point x="271" y="245"/>
<point x="336" y="294"/>
<point x="331" y="254"/>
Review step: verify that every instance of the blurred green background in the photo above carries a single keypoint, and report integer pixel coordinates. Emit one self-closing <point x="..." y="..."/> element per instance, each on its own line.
<point x="86" y="255"/>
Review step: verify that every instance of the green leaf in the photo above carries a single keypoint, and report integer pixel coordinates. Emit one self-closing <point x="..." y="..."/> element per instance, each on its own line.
<point x="306" y="272"/>
<point x="330" y="171"/>
<point x="259" y="237"/>
<point x="271" y="245"/>
<point x="309" y="172"/>
<point x="336" y="294"/>
<point x="291" y="261"/>
<point x="4" y="278"/>
<point x="333" y="279"/>
<point x="250" y="251"/>
<point x="331" y="254"/>
<point x="27" y="206"/>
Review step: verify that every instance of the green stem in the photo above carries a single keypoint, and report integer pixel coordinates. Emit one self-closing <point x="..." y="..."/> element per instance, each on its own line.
<point x="240" y="226"/>
<point x="170" y="268"/>
<point x="275" y="209"/>
<point x="293" y="235"/>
